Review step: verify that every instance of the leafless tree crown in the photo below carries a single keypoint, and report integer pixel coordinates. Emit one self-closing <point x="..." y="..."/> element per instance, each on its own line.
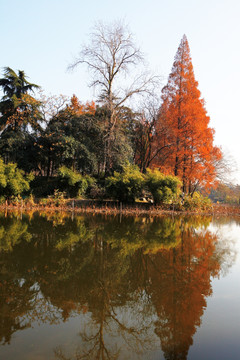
<point x="110" y="53"/>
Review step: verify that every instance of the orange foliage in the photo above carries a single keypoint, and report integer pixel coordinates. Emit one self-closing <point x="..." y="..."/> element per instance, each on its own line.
<point x="25" y="113"/>
<point x="79" y="109"/>
<point x="184" y="126"/>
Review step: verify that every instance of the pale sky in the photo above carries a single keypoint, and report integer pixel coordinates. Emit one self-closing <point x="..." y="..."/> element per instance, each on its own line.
<point x="42" y="37"/>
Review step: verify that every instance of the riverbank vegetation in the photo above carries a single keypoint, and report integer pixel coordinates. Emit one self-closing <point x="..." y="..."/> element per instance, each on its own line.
<point x="159" y="150"/>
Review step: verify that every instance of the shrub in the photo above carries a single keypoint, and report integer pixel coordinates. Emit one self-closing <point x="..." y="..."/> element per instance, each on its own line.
<point x="75" y="183"/>
<point x="13" y="182"/>
<point x="58" y="198"/>
<point x="164" y="188"/>
<point x="197" y="201"/>
<point x="127" y="185"/>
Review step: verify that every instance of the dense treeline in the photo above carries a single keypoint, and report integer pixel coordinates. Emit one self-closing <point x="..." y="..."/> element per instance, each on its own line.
<point x="78" y="147"/>
<point x="226" y="193"/>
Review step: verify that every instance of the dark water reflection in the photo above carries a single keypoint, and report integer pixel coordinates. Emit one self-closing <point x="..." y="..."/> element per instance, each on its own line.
<point x="138" y="286"/>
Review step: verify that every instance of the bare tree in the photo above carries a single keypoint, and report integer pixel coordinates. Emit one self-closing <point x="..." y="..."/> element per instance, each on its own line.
<point x="226" y="168"/>
<point x="110" y="56"/>
<point x="51" y="105"/>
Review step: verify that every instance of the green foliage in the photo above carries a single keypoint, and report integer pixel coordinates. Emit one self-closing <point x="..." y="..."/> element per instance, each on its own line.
<point x="3" y="180"/>
<point x="127" y="185"/>
<point x="13" y="182"/>
<point x="69" y="175"/>
<point x="86" y="133"/>
<point x="71" y="140"/>
<point x="197" y="202"/>
<point x="75" y="183"/>
<point x="164" y="188"/>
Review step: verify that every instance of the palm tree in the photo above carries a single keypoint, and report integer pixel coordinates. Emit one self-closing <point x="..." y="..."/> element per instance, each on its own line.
<point x="16" y="106"/>
<point x="13" y="84"/>
<point x="19" y="117"/>
<point x="16" y="101"/>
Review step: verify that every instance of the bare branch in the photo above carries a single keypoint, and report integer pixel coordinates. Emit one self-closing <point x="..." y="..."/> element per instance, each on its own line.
<point x="110" y="53"/>
<point x="52" y="104"/>
<point x="226" y="167"/>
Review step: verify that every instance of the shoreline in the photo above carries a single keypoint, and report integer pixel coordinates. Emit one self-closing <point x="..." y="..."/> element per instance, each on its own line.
<point x="134" y="210"/>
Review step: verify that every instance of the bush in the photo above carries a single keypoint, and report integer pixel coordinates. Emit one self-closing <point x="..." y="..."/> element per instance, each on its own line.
<point x="164" y="188"/>
<point x="127" y="185"/>
<point x="197" y="201"/>
<point x="13" y="182"/>
<point x="75" y="183"/>
<point x="57" y="199"/>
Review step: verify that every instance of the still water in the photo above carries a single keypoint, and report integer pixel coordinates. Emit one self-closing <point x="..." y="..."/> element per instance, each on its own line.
<point x="95" y="287"/>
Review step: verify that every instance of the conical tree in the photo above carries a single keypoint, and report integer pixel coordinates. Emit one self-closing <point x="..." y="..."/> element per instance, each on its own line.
<point x="191" y="155"/>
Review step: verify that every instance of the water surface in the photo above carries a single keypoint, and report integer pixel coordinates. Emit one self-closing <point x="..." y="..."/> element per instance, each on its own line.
<point x="95" y="287"/>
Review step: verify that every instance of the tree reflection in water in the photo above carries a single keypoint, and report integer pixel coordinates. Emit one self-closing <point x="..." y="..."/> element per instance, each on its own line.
<point x="156" y="271"/>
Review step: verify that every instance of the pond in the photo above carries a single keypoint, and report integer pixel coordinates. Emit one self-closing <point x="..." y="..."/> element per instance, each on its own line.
<point x="98" y="287"/>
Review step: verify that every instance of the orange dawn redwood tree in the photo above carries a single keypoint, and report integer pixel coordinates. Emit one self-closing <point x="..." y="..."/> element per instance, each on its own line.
<point x="184" y="126"/>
